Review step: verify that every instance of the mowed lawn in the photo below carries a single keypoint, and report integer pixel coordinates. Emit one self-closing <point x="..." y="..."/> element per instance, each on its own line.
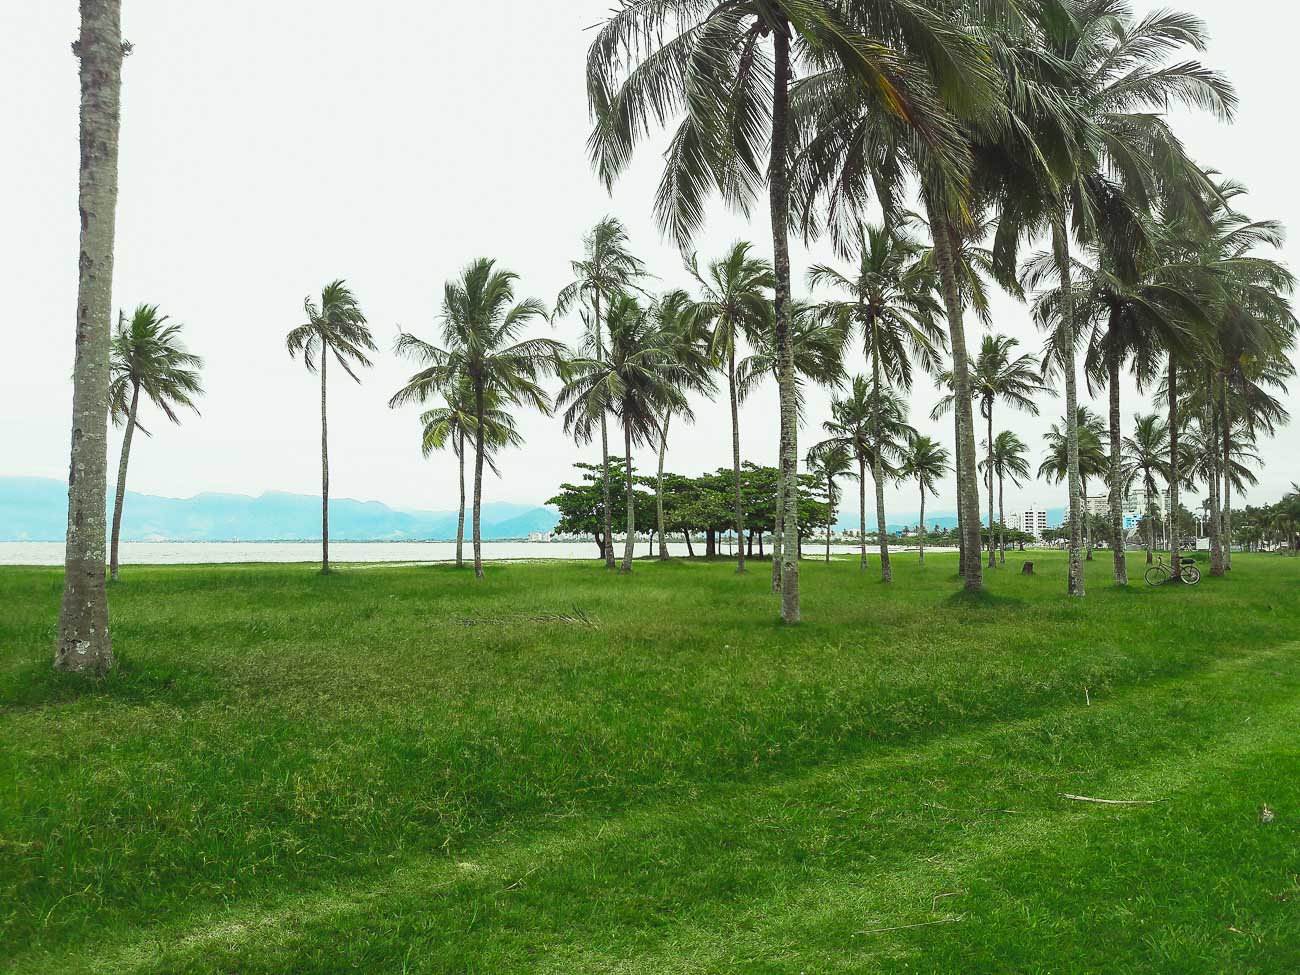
<point x="562" y="770"/>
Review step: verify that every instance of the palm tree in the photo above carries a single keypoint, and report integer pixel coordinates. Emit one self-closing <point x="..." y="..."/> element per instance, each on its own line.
<point x="850" y="428"/>
<point x="85" y="645"/>
<point x="636" y="380"/>
<point x="1057" y="466"/>
<point x="334" y="327"/>
<point x="452" y="426"/>
<point x="892" y="302"/>
<point x="818" y="350"/>
<point x="690" y="367"/>
<point x="926" y="461"/>
<point x="1005" y="459"/>
<point x="827" y="461"/>
<point x="1146" y="457"/>
<point x="147" y="357"/>
<point x="733" y="306"/>
<point x="481" y="326"/>
<point x="607" y="270"/>
<point x="999" y="374"/>
<point x="652" y="63"/>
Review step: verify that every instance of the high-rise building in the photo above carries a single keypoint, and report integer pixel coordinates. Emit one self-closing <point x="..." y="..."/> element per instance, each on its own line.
<point x="1032" y="521"/>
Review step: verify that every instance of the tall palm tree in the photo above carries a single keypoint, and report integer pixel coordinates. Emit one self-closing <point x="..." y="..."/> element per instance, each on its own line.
<point x="1000" y="374"/>
<point x="453" y="426"/>
<point x="607" y="270"/>
<point x="710" y="66"/>
<point x="147" y="357"/>
<point x="826" y="462"/>
<point x="1057" y="465"/>
<point x="482" y="348"/>
<point x="84" y="643"/>
<point x="850" y="428"/>
<point x="733" y="304"/>
<point x="1146" y="457"/>
<point x="636" y="381"/>
<point x="892" y="303"/>
<point x="690" y="367"/>
<point x="926" y="461"/>
<point x="1006" y="459"/>
<point x="818" y="350"/>
<point x="334" y="327"/>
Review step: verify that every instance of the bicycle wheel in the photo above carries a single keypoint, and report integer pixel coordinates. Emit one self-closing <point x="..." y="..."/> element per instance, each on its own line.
<point x="1191" y="575"/>
<point x="1157" y="575"/>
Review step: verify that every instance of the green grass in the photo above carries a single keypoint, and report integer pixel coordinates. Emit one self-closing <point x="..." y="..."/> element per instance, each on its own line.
<point x="396" y="770"/>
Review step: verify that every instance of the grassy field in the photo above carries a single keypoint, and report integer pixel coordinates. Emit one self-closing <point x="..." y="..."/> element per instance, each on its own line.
<point x="397" y="770"/>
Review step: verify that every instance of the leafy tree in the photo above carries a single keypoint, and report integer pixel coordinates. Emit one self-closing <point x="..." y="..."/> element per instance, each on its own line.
<point x="336" y="327"/>
<point x="581" y="506"/>
<point x="147" y="356"/>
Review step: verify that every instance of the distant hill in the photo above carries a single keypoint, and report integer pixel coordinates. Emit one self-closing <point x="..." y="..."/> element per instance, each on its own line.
<point x="35" y="509"/>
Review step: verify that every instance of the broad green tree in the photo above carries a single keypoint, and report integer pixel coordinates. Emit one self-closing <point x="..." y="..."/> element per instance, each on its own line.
<point x="926" y="461"/>
<point x="148" y="357"/>
<point x="335" y="327"/>
<point x="85" y="645"/>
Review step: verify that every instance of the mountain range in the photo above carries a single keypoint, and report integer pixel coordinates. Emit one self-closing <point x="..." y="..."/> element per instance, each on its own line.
<point x="34" y="509"/>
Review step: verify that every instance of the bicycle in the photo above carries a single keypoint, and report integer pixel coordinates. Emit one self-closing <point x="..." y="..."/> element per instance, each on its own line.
<point x="1160" y="573"/>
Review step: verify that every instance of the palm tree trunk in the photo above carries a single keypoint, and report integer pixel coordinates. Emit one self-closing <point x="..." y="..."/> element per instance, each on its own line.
<point x="84" y="643"/>
<point x="1116" y="473"/>
<point x="779" y="203"/>
<point x="478" y="483"/>
<point x="830" y="516"/>
<point x="1087" y="521"/>
<point x="324" y="470"/>
<point x="735" y="457"/>
<point x="992" y="547"/>
<point x="1225" y="411"/>
<point x="921" y="557"/>
<point x="1216" y="536"/>
<point x="1151" y="517"/>
<point x="1061" y="249"/>
<point x="608" y="499"/>
<point x="460" y="517"/>
<point x="659" y="488"/>
<point x="956" y="469"/>
<point x="778" y="520"/>
<point x="862" y="509"/>
<point x="120" y="496"/>
<point x="946" y="242"/>
<point x="877" y="475"/>
<point x="629" y="542"/>
<point x="1174" y="473"/>
<point x="1002" y="522"/>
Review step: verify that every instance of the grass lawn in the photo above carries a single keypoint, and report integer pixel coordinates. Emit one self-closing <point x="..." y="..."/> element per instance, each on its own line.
<point x="398" y="770"/>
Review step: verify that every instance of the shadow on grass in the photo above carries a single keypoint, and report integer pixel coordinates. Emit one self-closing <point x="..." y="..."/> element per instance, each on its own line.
<point x="37" y="684"/>
<point x="983" y="600"/>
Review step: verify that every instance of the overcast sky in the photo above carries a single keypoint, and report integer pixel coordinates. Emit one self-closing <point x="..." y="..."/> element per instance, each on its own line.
<point x="268" y="148"/>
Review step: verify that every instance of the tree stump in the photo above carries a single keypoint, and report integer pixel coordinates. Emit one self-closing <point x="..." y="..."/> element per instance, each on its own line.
<point x="1027" y="569"/>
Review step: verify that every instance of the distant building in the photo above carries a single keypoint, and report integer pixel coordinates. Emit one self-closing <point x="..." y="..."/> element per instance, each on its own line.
<point x="539" y="536"/>
<point x="1032" y="521"/>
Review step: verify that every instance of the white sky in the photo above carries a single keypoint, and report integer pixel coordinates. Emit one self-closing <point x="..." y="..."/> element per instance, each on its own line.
<point x="270" y="147"/>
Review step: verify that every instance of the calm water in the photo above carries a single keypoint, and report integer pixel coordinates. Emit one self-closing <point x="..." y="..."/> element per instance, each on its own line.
<point x="187" y="553"/>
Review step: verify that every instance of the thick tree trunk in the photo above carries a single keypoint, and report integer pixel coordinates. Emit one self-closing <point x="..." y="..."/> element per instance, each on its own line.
<point x="460" y="516"/>
<point x="120" y="497"/>
<point x="84" y="643"/>
<point x="921" y="554"/>
<point x="779" y="201"/>
<point x="1116" y="473"/>
<point x="477" y="529"/>
<point x="324" y="469"/>
<point x="1174" y="473"/>
<point x="690" y="549"/>
<point x="1061" y="251"/>
<point x="862" y="510"/>
<point x="659" y="488"/>
<point x="735" y="458"/>
<point x="710" y="543"/>
<point x="988" y="409"/>
<point x="629" y="544"/>
<point x="1216" y="536"/>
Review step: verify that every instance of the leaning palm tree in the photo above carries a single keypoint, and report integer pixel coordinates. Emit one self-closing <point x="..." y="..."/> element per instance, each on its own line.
<point x="607" y="270"/>
<point x="335" y="328"/>
<point x="84" y="643"/>
<point x="1000" y="374"/>
<point x="826" y="462"/>
<point x="733" y="306"/>
<point x="482" y="348"/>
<point x="710" y="66"/>
<point x="1146" y="457"/>
<point x="926" y="461"/>
<point x="636" y="381"/>
<point x="453" y="426"/>
<point x="148" y="358"/>
<point x="1005" y="460"/>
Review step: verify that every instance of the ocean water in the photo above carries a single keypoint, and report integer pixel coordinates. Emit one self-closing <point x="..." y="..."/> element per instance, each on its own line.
<point x="196" y="553"/>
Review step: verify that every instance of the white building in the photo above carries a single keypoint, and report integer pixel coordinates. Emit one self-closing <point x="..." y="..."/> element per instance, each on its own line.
<point x="539" y="536"/>
<point x="1032" y="521"/>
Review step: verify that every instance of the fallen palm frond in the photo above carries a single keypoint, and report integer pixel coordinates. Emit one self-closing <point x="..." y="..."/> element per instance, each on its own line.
<point x="577" y="617"/>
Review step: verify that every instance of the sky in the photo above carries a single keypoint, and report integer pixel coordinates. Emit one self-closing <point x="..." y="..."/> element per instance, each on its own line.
<point x="268" y="148"/>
